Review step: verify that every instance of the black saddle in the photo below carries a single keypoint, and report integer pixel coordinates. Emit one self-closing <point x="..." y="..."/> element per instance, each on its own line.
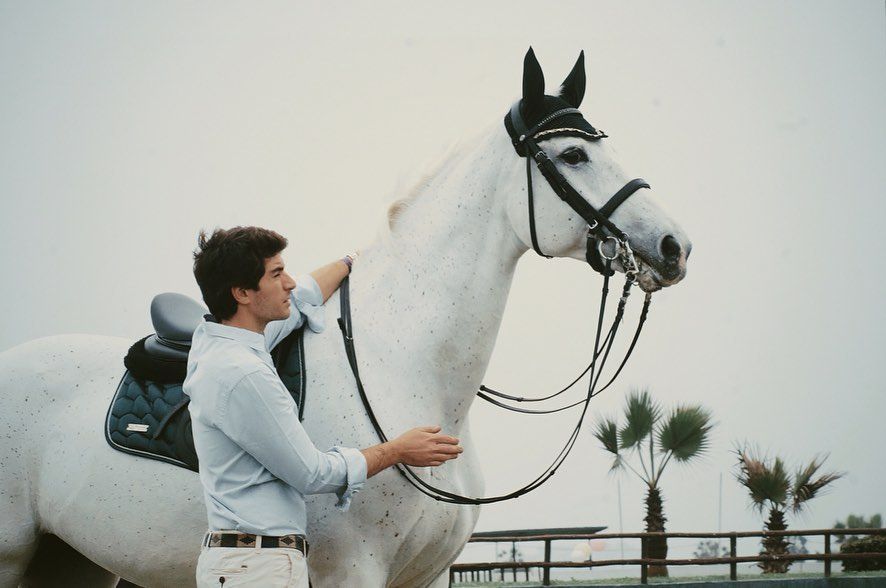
<point x="147" y="415"/>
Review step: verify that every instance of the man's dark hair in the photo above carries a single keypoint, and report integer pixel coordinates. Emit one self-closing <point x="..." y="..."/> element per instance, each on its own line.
<point x="232" y="258"/>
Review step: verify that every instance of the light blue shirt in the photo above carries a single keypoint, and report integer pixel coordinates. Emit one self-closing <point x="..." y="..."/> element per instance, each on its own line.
<point x="256" y="461"/>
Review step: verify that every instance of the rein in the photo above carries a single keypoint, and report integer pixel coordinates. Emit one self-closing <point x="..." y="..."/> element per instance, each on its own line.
<point x="600" y="230"/>
<point x="407" y="472"/>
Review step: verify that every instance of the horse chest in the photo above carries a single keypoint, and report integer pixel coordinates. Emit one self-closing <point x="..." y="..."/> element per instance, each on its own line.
<point x="437" y="537"/>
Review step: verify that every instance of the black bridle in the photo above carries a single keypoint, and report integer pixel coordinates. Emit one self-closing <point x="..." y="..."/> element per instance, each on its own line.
<point x="600" y="229"/>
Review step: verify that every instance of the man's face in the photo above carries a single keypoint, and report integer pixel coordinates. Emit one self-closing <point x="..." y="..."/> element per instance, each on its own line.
<point x="271" y="300"/>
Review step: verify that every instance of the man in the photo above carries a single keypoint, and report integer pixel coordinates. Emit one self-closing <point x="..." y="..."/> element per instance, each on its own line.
<point x="256" y="460"/>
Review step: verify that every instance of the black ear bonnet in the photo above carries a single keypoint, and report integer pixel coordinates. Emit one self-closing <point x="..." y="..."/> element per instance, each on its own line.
<point x="538" y="116"/>
<point x="569" y="125"/>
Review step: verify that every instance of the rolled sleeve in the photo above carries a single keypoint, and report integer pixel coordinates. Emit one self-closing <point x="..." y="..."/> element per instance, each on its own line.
<point x="259" y="416"/>
<point x="356" y="465"/>
<point x="306" y="303"/>
<point x="308" y="299"/>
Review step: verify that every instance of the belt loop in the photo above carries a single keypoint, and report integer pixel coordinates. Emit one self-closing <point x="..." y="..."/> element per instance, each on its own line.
<point x="258" y="542"/>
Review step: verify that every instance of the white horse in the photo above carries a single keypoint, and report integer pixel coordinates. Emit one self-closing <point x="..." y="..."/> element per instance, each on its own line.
<point x="427" y="299"/>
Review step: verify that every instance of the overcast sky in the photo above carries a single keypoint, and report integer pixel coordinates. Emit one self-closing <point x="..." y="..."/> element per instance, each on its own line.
<point x="125" y="127"/>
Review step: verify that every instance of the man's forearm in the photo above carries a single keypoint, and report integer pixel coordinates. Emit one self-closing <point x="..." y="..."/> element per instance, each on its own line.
<point x="330" y="276"/>
<point x="420" y="447"/>
<point x="380" y="457"/>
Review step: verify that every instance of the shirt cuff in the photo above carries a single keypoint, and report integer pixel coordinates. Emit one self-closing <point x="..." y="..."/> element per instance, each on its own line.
<point x="308" y="299"/>
<point x="356" y="465"/>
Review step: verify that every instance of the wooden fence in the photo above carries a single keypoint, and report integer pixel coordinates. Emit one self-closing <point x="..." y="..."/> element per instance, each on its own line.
<point x="477" y="571"/>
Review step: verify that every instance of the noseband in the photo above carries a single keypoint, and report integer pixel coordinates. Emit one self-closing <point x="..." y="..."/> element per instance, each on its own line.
<point x="600" y="228"/>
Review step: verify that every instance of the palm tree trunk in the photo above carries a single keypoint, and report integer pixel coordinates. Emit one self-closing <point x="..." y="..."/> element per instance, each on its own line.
<point x="775" y="545"/>
<point x="656" y="547"/>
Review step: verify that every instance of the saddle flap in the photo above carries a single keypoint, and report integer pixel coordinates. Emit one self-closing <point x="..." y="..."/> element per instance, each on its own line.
<point x="176" y="316"/>
<point x="148" y="414"/>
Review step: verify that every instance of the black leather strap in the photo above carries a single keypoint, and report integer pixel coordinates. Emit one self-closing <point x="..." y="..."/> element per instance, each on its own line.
<point x="434" y="492"/>
<point x="622" y="195"/>
<point x="532" y="233"/>
<point x="570" y="195"/>
<point x="159" y="430"/>
<point x="592" y="255"/>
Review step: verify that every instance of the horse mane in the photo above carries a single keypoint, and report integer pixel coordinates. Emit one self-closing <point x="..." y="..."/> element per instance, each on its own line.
<point x="422" y="180"/>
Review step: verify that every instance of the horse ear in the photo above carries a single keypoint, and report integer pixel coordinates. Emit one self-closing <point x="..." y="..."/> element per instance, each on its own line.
<point x="573" y="88"/>
<point x="533" y="82"/>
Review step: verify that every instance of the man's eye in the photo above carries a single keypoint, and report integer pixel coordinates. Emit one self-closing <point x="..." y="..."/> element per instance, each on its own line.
<point x="574" y="156"/>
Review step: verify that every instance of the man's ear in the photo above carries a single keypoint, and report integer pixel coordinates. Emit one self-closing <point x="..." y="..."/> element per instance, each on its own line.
<point x="241" y="295"/>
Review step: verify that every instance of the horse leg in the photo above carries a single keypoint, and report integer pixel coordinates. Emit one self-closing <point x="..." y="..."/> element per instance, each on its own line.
<point x="442" y="580"/>
<point x="57" y="564"/>
<point x="18" y="540"/>
<point x="29" y="559"/>
<point x="349" y="570"/>
<point x="19" y="531"/>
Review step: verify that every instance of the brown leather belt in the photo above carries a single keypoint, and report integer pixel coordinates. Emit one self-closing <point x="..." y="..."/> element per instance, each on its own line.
<point x="228" y="539"/>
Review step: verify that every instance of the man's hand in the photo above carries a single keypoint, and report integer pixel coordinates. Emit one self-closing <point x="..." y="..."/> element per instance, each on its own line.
<point x="426" y="446"/>
<point x="330" y="276"/>
<point x="420" y="447"/>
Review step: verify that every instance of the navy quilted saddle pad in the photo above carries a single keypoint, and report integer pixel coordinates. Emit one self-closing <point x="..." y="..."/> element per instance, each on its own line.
<point x="148" y="414"/>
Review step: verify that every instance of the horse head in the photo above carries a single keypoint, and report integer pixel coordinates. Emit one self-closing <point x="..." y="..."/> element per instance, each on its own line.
<point x="585" y="160"/>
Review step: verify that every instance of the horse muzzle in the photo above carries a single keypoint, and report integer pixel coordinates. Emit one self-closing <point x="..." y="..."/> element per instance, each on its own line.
<point x="664" y="267"/>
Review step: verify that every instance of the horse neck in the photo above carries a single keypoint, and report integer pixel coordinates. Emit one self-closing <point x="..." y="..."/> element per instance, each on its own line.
<point x="435" y="285"/>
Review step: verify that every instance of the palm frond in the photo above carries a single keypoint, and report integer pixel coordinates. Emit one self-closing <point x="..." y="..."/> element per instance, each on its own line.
<point x="685" y="432"/>
<point x="641" y="413"/>
<point x="805" y="487"/>
<point x="766" y="481"/>
<point x="606" y="431"/>
<point x="617" y="464"/>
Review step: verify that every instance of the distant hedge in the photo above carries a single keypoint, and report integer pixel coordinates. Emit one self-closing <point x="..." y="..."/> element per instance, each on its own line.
<point x="870" y="544"/>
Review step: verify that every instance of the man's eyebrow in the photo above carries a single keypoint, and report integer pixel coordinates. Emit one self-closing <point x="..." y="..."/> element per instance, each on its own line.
<point x="278" y="268"/>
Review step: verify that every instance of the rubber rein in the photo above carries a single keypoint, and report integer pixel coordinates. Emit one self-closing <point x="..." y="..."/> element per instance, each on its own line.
<point x="600" y="231"/>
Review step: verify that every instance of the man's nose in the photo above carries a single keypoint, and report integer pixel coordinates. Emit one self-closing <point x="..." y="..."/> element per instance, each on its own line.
<point x="288" y="282"/>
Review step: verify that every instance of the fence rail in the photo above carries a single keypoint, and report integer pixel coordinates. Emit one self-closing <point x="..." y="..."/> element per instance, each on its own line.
<point x="733" y="559"/>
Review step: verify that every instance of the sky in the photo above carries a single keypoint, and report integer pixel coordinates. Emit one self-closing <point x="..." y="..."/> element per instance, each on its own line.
<point x="125" y="128"/>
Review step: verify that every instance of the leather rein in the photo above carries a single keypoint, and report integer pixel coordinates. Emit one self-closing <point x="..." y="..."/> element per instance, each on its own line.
<point x="600" y="230"/>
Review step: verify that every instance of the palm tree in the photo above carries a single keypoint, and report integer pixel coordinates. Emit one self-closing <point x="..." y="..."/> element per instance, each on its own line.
<point x="682" y="436"/>
<point x="770" y="486"/>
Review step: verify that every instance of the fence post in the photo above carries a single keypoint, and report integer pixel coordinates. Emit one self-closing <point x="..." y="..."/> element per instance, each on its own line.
<point x="827" y="552"/>
<point x="733" y="565"/>
<point x="546" y="577"/>
<point x="514" y="557"/>
<point x="644" y="569"/>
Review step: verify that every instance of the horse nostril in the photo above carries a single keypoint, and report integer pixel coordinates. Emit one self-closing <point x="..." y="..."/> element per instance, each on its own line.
<point x="670" y="248"/>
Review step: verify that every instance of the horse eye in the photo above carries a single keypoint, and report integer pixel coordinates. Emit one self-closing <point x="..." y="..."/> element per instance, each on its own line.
<point x="574" y="156"/>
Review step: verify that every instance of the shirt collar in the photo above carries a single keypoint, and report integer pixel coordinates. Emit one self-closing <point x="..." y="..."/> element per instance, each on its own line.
<point x="250" y="338"/>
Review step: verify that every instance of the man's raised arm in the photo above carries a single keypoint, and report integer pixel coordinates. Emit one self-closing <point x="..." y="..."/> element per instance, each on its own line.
<point x="329" y="276"/>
